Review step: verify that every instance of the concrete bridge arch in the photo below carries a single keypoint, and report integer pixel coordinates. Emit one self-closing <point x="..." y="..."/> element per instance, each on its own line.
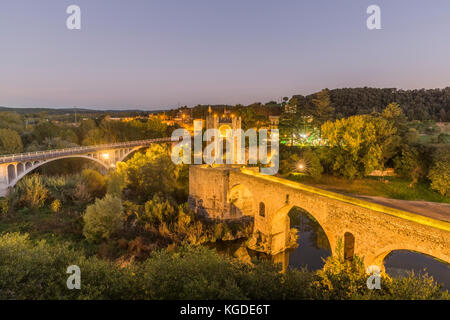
<point x="18" y="171"/>
<point x="13" y="180"/>
<point x="15" y="167"/>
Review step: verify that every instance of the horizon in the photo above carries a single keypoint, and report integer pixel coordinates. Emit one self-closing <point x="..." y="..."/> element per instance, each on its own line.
<point x="160" y="55"/>
<point x="168" y="108"/>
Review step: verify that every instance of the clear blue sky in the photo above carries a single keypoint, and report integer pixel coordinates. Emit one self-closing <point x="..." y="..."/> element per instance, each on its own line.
<point x="150" y="54"/>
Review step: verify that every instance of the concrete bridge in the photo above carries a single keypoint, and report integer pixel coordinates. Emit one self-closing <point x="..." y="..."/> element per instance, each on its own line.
<point x="366" y="229"/>
<point x="15" y="167"/>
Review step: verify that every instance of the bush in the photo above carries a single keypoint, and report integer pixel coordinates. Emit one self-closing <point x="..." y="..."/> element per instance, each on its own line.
<point x="42" y="273"/>
<point x="149" y="173"/>
<point x="55" y="206"/>
<point x="409" y="163"/>
<point x="210" y="276"/>
<point x="115" y="183"/>
<point x="306" y="158"/>
<point x="103" y="218"/>
<point x="440" y="173"/>
<point x="32" y="191"/>
<point x="4" y="205"/>
<point x="443" y="138"/>
<point x="95" y="182"/>
<point x="313" y="168"/>
<point x="187" y="273"/>
<point x="159" y="210"/>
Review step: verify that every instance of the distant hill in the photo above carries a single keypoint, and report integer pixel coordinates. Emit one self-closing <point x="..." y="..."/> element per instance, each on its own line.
<point x="55" y="111"/>
<point x="422" y="104"/>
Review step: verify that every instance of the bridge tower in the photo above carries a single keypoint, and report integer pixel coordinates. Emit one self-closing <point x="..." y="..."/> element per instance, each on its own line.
<point x="226" y="121"/>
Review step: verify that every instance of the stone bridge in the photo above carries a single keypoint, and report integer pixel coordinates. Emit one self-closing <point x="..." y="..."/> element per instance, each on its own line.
<point x="364" y="228"/>
<point x="15" y="167"/>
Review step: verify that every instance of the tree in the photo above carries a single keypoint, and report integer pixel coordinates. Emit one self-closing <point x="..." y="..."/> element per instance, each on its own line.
<point x="394" y="113"/>
<point x="323" y="109"/>
<point x="305" y="161"/>
<point x="103" y="218"/>
<point x="10" y="142"/>
<point x="115" y="183"/>
<point x="45" y="130"/>
<point x="409" y="163"/>
<point x="95" y="182"/>
<point x="149" y="173"/>
<point x="248" y="116"/>
<point x="442" y="115"/>
<point x="356" y="144"/>
<point x="159" y="210"/>
<point x="11" y="120"/>
<point x="440" y="173"/>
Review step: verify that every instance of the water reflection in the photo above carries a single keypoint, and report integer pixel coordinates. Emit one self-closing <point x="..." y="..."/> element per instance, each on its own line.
<point x="399" y="262"/>
<point x="313" y="245"/>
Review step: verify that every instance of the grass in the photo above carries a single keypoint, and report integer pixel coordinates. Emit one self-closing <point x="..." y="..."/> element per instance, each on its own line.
<point x="390" y="187"/>
<point x="46" y="225"/>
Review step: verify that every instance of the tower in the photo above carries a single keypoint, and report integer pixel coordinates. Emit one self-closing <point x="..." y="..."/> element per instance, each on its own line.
<point x="222" y="124"/>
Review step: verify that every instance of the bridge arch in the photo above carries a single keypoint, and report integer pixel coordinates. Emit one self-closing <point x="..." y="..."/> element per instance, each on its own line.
<point x="11" y="172"/>
<point x="280" y="225"/>
<point x="124" y="153"/>
<point x="37" y="164"/>
<point x="379" y="258"/>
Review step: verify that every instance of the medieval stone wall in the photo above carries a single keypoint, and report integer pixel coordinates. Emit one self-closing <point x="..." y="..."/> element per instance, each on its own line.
<point x="375" y="233"/>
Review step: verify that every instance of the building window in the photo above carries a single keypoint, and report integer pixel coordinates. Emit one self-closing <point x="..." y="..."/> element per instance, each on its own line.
<point x="262" y="209"/>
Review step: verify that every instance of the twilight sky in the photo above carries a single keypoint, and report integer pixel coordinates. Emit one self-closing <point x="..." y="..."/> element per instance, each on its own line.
<point x="151" y="54"/>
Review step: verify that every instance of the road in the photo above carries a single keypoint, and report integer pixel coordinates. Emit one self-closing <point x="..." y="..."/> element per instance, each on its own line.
<point x="435" y="210"/>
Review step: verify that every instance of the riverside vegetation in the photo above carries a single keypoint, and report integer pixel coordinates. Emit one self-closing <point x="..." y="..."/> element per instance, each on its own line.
<point x="134" y="237"/>
<point x="130" y="248"/>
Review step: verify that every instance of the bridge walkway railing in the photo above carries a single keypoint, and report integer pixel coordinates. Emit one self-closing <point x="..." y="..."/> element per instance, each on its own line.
<point x="40" y="155"/>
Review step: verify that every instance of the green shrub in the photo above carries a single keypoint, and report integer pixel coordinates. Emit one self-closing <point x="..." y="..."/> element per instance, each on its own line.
<point x="115" y="183"/>
<point x="159" y="210"/>
<point x="190" y="273"/>
<point x="440" y="173"/>
<point x="42" y="272"/>
<point x="95" y="182"/>
<point x="55" y="206"/>
<point x="4" y="205"/>
<point x="103" y="218"/>
<point x="187" y="273"/>
<point x="409" y="163"/>
<point x="32" y="191"/>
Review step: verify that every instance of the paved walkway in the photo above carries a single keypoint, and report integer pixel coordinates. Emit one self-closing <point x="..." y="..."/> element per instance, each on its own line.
<point x="435" y="210"/>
